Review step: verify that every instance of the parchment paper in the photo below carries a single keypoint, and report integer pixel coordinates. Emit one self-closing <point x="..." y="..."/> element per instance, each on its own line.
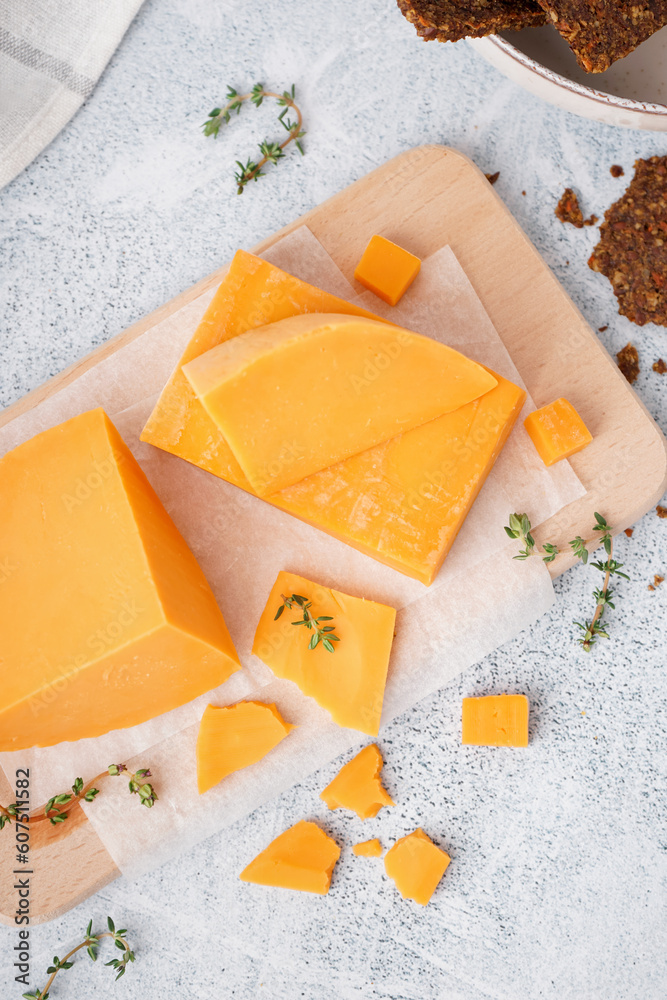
<point x="481" y="598"/>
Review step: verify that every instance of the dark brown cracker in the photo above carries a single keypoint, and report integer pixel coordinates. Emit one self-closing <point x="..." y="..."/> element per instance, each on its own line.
<point x="601" y="31"/>
<point x="616" y="170"/>
<point x="629" y="532"/>
<point x="568" y="210"/>
<point x="661" y="511"/>
<point x="449" y="20"/>
<point x="492" y="178"/>
<point x="659" y="366"/>
<point x="632" y="251"/>
<point x="628" y="362"/>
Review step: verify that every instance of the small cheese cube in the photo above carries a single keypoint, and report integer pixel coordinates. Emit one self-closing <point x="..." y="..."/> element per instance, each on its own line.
<point x="557" y="431"/>
<point x="301" y="858"/>
<point x="368" y="849"/>
<point x="234" y="737"/>
<point x="387" y="269"/>
<point x="499" y="720"/>
<point x="416" y="865"/>
<point x="357" y="785"/>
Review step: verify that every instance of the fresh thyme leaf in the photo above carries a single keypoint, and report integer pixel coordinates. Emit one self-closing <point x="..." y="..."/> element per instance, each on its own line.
<point x="89" y="942"/>
<point x="321" y="633"/>
<point x="271" y="152"/>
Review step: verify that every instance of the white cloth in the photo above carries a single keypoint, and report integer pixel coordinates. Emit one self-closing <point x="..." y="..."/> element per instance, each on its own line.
<point x="52" y="52"/>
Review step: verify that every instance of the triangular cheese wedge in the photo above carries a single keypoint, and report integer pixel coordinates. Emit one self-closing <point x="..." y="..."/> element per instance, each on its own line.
<point x="358" y="785"/>
<point x="302" y="394"/>
<point x="401" y="502"/>
<point x="301" y="858"/>
<point x="349" y="682"/>
<point x="234" y="737"/>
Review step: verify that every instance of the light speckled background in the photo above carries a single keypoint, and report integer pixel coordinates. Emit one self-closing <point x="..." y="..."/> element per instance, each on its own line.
<point x="558" y="884"/>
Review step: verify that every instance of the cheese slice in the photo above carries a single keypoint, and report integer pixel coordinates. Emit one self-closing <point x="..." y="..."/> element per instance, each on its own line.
<point x="234" y="737"/>
<point x="299" y="395"/>
<point x="416" y="865"/>
<point x="106" y="619"/>
<point x="301" y="858"/>
<point x="402" y="502"/>
<point x="358" y="785"/>
<point x="368" y="849"/>
<point x="349" y="683"/>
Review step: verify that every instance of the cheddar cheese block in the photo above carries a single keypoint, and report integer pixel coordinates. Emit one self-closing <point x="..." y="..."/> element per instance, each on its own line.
<point x="349" y="683"/>
<point x="368" y="849"/>
<point x="497" y="720"/>
<point x="416" y="865"/>
<point x="386" y="269"/>
<point x="106" y="619"/>
<point x="358" y="785"/>
<point x="235" y="736"/>
<point x="557" y="431"/>
<point x="402" y="502"/>
<point x="301" y="858"/>
<point x="299" y="395"/>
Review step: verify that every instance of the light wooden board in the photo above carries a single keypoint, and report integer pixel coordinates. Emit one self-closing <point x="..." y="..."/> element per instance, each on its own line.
<point x="424" y="199"/>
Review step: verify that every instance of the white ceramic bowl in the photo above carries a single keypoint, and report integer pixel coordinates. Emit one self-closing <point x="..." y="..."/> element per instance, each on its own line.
<point x="632" y="93"/>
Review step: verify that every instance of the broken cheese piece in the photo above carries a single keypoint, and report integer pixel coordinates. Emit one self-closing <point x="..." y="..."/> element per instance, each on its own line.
<point x="499" y="720"/>
<point x="557" y="431"/>
<point x="234" y="737"/>
<point x="368" y="849"/>
<point x="301" y="858"/>
<point x="416" y="865"/>
<point x="302" y="394"/>
<point x="349" y="683"/>
<point x="358" y="785"/>
<point x="386" y="269"/>
<point x="106" y="619"/>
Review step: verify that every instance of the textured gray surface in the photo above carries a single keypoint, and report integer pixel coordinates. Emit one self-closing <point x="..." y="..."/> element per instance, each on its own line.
<point x="558" y="883"/>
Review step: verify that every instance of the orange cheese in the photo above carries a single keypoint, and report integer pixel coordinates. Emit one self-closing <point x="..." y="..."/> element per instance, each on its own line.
<point x="416" y="865"/>
<point x="368" y="849"/>
<point x="106" y="619"/>
<point x="499" y="720"/>
<point x="302" y="858"/>
<point x="299" y="395"/>
<point x="234" y="737"/>
<point x="401" y="502"/>
<point x="358" y="785"/>
<point x="387" y="269"/>
<point x="349" y="683"/>
<point x="557" y="431"/>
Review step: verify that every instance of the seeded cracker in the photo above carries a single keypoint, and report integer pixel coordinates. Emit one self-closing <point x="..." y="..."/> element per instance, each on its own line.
<point x="628" y="362"/>
<point x="601" y="31"/>
<point x="448" y="20"/>
<point x="569" y="210"/>
<point x="632" y="252"/>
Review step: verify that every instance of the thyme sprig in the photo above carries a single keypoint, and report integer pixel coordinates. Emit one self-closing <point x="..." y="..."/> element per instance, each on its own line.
<point x="324" y="634"/>
<point x="271" y="152"/>
<point x="520" y="527"/>
<point x="58" y="808"/>
<point x="90" y="943"/>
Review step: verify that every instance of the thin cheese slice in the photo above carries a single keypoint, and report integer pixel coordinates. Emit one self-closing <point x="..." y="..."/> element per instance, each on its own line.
<point x="402" y="502"/>
<point x="358" y="785"/>
<point x="416" y="865"/>
<point x="234" y="737"/>
<point x="368" y="849"/>
<point x="301" y="858"/>
<point x="106" y="619"/>
<point x="300" y="395"/>
<point x="349" y="683"/>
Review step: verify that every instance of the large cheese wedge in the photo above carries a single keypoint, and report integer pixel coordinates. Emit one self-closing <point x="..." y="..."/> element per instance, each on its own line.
<point x="301" y="858"/>
<point x="349" y="683"/>
<point x="302" y="394"/>
<point x="106" y="619"/>
<point x="402" y="502"/>
<point x="358" y="785"/>
<point x="235" y="736"/>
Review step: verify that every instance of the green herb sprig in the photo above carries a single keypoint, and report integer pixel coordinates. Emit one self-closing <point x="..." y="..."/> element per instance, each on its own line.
<point x="324" y="634"/>
<point x="90" y="943"/>
<point x="58" y="808"/>
<point x="271" y="152"/>
<point x="519" y="528"/>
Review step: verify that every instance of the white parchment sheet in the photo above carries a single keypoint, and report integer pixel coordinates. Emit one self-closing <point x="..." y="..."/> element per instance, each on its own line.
<point x="481" y="598"/>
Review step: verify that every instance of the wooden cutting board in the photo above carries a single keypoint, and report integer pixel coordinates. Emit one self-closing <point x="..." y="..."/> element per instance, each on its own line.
<point x="424" y="199"/>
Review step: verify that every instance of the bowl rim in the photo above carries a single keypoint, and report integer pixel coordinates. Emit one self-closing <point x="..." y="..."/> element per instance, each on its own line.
<point x="589" y="93"/>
